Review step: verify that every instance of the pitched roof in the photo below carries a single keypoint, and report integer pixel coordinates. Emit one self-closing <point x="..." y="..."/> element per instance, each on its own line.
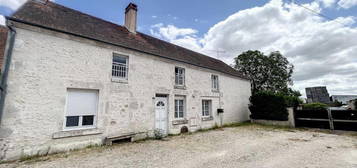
<point x="56" y="17"/>
<point x="3" y="38"/>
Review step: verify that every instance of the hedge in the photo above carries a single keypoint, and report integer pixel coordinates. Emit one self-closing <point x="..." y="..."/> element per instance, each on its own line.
<point x="268" y="106"/>
<point x="292" y="101"/>
<point x="314" y="106"/>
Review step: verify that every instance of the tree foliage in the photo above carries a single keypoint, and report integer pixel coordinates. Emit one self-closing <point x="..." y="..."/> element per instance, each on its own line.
<point x="267" y="73"/>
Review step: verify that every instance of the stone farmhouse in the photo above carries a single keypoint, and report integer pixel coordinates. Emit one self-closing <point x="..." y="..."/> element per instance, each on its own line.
<point x="69" y="80"/>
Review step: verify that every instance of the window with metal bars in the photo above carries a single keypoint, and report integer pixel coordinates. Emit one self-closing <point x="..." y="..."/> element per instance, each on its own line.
<point x="179" y="76"/>
<point x="120" y="67"/>
<point x="206" y="108"/>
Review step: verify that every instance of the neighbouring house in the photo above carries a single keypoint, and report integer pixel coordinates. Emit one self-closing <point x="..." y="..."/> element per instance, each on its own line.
<point x="317" y="95"/>
<point x="343" y="98"/>
<point x="73" y="80"/>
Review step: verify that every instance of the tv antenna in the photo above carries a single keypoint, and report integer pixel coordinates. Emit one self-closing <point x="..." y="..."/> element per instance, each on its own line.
<point x="218" y="52"/>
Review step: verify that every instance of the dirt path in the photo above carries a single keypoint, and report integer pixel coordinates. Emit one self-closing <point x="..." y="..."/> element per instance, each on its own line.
<point x="246" y="146"/>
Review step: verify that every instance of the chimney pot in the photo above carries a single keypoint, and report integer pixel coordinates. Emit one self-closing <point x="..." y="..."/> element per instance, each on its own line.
<point x="130" y="17"/>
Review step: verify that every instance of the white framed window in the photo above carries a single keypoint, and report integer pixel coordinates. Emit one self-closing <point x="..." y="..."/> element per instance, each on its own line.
<point x="180" y="107"/>
<point x="179" y="76"/>
<point x="206" y="108"/>
<point x="81" y="108"/>
<point x="215" y="82"/>
<point x="120" y="67"/>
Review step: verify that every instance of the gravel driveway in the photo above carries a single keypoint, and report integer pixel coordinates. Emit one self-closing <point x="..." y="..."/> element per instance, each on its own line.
<point x="246" y="146"/>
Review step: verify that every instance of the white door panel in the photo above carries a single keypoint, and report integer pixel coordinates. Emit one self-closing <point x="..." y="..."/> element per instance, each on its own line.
<point x="161" y="114"/>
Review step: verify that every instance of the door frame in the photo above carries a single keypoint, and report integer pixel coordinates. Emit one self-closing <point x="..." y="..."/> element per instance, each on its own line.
<point x="166" y="96"/>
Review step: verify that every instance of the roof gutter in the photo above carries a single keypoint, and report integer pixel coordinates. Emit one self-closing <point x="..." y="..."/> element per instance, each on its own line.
<point x="4" y="75"/>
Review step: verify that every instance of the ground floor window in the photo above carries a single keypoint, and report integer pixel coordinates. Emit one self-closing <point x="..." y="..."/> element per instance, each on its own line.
<point x="206" y="108"/>
<point x="179" y="107"/>
<point x="81" y="108"/>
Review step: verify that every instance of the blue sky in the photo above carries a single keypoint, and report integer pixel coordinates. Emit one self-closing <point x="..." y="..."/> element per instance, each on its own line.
<point x="183" y="13"/>
<point x="323" y="51"/>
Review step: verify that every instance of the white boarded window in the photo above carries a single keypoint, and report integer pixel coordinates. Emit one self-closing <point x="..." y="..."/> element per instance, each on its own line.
<point x="81" y="108"/>
<point x="206" y="108"/>
<point x="180" y="106"/>
<point x="215" y="82"/>
<point x="120" y="67"/>
<point x="179" y="76"/>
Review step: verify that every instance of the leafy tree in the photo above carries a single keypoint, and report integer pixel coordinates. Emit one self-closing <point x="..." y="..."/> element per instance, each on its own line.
<point x="267" y="73"/>
<point x="292" y="92"/>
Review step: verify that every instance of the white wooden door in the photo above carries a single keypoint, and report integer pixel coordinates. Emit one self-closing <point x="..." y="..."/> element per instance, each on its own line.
<point x="161" y="114"/>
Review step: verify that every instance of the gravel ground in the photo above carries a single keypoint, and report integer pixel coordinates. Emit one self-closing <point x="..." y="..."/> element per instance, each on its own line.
<point x="246" y="146"/>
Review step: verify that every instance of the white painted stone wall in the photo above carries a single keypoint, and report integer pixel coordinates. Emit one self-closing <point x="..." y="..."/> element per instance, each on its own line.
<point x="44" y="66"/>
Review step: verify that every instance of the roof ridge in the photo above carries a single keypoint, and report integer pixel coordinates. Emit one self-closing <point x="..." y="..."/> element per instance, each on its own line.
<point x="179" y="46"/>
<point x="56" y="4"/>
<point x="64" y="19"/>
<point x="74" y="10"/>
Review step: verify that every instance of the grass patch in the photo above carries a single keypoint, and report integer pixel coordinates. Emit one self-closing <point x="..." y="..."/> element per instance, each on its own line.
<point x="209" y="129"/>
<point x="35" y="158"/>
<point x="38" y="157"/>
<point x="240" y="124"/>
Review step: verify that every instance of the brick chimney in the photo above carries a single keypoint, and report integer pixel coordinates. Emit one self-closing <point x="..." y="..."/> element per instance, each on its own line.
<point x="130" y="17"/>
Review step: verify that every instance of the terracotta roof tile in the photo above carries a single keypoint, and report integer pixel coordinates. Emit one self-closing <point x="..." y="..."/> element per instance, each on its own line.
<point x="3" y="38"/>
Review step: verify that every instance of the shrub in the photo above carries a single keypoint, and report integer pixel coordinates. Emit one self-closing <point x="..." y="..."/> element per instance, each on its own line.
<point x="269" y="106"/>
<point x="355" y="103"/>
<point x="292" y="101"/>
<point x="314" y="106"/>
<point x="158" y="134"/>
<point x="336" y="104"/>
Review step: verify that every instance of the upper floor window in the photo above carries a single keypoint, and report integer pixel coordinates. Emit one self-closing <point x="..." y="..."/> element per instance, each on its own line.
<point x="120" y="67"/>
<point x="215" y="83"/>
<point x="179" y="76"/>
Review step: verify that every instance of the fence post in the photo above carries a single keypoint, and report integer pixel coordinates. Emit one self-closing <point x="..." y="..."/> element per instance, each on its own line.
<point x="330" y="119"/>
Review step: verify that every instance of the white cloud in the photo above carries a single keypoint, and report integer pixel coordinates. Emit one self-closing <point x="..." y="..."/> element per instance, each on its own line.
<point x="2" y="20"/>
<point x="180" y="36"/>
<point x="347" y="3"/>
<point x="324" y="52"/>
<point x="154" y="16"/>
<point x="327" y="3"/>
<point x="12" y="4"/>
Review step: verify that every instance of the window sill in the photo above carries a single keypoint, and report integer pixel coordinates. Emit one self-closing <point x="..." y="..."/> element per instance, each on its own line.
<point x="179" y="122"/>
<point x="74" y="133"/>
<point x="119" y="80"/>
<point x="207" y="118"/>
<point x="180" y="87"/>
<point x="215" y="90"/>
